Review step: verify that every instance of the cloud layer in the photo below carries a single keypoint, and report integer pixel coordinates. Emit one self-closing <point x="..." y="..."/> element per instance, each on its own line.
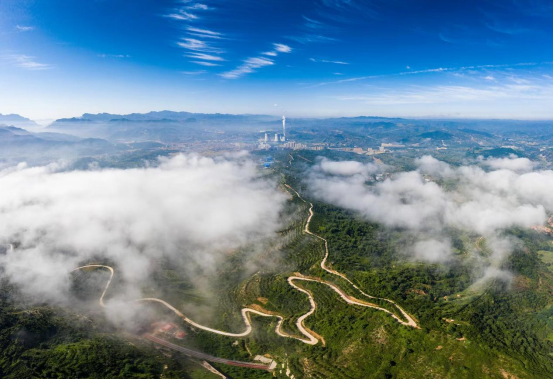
<point x="190" y="208"/>
<point x="483" y="203"/>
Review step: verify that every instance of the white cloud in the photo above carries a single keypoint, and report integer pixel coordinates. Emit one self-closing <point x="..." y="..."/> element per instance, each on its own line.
<point x="431" y="165"/>
<point x="250" y="64"/>
<point x="512" y="163"/>
<point x="204" y="33"/>
<point x="327" y="61"/>
<point x="278" y="48"/>
<point x="436" y="251"/>
<point x="348" y="168"/>
<point x="247" y="67"/>
<point x="187" y="208"/>
<point x="311" y="38"/>
<point x="198" y="6"/>
<point x="182" y="16"/>
<point x="205" y="57"/>
<point x="26" y="62"/>
<point x="197" y="45"/>
<point x="207" y="64"/>
<point x="312" y="24"/>
<point x="197" y="72"/>
<point x="23" y="28"/>
<point x="114" y="55"/>
<point x="483" y="203"/>
<point x="282" y="48"/>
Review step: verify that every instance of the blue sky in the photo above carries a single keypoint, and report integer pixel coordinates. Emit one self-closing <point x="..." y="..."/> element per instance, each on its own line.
<point x="474" y="59"/>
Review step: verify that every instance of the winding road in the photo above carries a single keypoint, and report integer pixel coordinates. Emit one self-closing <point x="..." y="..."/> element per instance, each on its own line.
<point x="409" y="320"/>
<point x="308" y="337"/>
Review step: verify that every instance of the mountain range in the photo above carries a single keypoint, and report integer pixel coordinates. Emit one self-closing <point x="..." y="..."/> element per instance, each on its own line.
<point x="17" y="121"/>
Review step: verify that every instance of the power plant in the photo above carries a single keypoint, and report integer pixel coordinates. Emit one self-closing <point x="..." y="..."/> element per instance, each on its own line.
<point x="279" y="138"/>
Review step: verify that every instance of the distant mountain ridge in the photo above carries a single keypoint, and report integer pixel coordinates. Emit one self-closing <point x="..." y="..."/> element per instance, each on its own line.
<point x="162" y="126"/>
<point x="161" y="115"/>
<point x="17" y="121"/>
<point x="17" y="145"/>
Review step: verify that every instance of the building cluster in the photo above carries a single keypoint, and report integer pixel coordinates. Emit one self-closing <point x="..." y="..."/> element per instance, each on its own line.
<point x="391" y="145"/>
<point x="294" y="145"/>
<point x="279" y="140"/>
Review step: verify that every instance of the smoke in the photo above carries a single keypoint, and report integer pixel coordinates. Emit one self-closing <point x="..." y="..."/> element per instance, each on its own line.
<point x="471" y="199"/>
<point x="189" y="208"/>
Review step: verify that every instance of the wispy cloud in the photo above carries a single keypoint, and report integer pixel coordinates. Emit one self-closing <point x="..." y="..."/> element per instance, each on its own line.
<point x="426" y="71"/>
<point x="183" y="13"/>
<point x="327" y="61"/>
<point x="311" y="38"/>
<point x="197" y="72"/>
<point x="338" y="4"/>
<point x="248" y="66"/>
<point x="182" y="16"/>
<point x="206" y="57"/>
<point x="312" y="24"/>
<point x="26" y="62"/>
<point x="114" y="56"/>
<point x="461" y="34"/>
<point x="346" y="11"/>
<point x="201" y="42"/>
<point x="198" y="45"/>
<point x="23" y="28"/>
<point x="204" y="33"/>
<point x="207" y="64"/>
<point x="282" y="48"/>
<point x="278" y="48"/>
<point x="203" y="53"/>
<point x="198" y="6"/>
<point x="506" y="29"/>
<point x="456" y="94"/>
